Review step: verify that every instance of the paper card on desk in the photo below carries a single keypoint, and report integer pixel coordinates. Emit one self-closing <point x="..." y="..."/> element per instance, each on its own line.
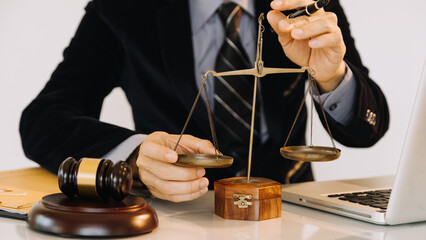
<point x="18" y="201"/>
<point x="21" y="189"/>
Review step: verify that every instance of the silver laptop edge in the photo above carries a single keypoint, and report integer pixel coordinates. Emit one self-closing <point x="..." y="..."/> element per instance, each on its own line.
<point x="407" y="202"/>
<point x="315" y="195"/>
<point x="408" y="198"/>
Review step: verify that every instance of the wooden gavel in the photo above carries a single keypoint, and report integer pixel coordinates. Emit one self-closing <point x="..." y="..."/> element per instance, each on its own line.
<point x="95" y="178"/>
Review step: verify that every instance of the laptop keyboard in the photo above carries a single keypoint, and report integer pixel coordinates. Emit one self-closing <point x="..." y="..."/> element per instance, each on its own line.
<point x="377" y="199"/>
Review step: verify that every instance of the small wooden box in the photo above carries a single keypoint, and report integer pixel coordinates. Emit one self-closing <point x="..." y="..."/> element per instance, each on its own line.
<point x="257" y="199"/>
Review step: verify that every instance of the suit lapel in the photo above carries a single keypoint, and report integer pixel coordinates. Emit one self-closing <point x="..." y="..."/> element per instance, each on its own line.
<point x="176" y="41"/>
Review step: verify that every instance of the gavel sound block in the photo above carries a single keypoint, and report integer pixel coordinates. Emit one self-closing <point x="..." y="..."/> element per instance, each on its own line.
<point x="94" y="202"/>
<point x="257" y="199"/>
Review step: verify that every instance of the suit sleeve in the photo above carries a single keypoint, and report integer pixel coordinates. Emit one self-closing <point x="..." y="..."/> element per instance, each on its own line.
<point x="363" y="131"/>
<point x="63" y="120"/>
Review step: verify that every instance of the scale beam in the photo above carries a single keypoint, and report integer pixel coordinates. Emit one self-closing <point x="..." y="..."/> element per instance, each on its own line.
<point x="254" y="72"/>
<point x="307" y="153"/>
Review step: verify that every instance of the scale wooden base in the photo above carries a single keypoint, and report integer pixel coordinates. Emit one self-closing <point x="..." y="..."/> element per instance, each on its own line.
<point x="256" y="200"/>
<point x="65" y="216"/>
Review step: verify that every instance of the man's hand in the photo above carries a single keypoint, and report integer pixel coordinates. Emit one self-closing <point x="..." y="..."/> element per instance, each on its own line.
<point x="166" y="180"/>
<point x="315" y="41"/>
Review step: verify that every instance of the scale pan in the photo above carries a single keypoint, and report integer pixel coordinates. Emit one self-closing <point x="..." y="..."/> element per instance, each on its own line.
<point x="204" y="160"/>
<point x="310" y="153"/>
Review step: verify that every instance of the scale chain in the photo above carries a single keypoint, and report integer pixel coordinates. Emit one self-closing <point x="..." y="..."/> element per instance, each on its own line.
<point x="323" y="113"/>
<point x="213" y="132"/>
<point x="312" y="85"/>
<point x="297" y="115"/>
<point x="209" y="113"/>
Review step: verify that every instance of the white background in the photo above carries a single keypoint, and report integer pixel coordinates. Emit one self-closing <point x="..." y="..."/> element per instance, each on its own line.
<point x="390" y="36"/>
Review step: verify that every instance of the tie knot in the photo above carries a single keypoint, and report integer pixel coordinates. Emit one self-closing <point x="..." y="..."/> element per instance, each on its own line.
<point x="230" y="14"/>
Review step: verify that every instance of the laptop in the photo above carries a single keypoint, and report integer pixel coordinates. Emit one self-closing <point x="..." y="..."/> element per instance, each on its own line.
<point x="381" y="200"/>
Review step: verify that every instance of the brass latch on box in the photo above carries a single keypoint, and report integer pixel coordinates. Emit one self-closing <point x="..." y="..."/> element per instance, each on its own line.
<point x="241" y="200"/>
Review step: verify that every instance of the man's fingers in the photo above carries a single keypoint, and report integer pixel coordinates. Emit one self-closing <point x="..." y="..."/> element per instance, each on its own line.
<point x="274" y="17"/>
<point x="321" y="30"/>
<point x="160" y="145"/>
<point x="309" y="27"/>
<point x="283" y="5"/>
<point x="191" y="144"/>
<point x="281" y="26"/>
<point x="166" y="180"/>
<point x="174" y="190"/>
<point x="180" y="197"/>
<point x="154" y="150"/>
<point x="325" y="40"/>
<point x="167" y="171"/>
<point x="187" y="197"/>
<point x="167" y="187"/>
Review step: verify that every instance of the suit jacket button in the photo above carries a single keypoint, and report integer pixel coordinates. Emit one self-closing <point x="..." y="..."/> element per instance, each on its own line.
<point x="370" y="117"/>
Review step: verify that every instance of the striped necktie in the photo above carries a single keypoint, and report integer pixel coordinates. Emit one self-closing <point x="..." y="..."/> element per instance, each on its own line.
<point x="233" y="94"/>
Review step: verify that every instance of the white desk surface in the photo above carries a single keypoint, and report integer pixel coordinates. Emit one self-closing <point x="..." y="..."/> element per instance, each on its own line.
<point x="196" y="221"/>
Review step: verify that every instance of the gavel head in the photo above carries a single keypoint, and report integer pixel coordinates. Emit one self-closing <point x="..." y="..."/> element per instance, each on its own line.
<point x="95" y="178"/>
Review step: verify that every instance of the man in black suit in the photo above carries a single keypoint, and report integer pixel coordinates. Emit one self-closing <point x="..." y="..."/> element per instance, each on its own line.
<point x="151" y="49"/>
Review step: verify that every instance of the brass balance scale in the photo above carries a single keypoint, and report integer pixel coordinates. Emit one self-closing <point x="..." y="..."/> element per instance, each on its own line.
<point x="237" y="185"/>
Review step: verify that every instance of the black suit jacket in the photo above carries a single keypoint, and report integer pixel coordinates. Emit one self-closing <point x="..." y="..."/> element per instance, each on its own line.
<point x="145" y="47"/>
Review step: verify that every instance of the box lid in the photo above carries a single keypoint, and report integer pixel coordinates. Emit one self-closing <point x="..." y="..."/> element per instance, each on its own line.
<point x="258" y="188"/>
